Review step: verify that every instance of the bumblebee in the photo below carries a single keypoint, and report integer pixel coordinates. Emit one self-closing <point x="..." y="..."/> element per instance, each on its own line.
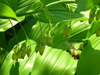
<point x="74" y="53"/>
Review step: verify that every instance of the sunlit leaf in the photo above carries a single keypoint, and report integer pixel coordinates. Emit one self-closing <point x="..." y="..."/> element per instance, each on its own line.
<point x="6" y="11"/>
<point x="54" y="61"/>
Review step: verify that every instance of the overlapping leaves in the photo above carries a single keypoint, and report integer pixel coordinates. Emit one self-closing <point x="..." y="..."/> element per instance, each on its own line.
<point x="54" y="60"/>
<point x="58" y="47"/>
<point x="10" y="8"/>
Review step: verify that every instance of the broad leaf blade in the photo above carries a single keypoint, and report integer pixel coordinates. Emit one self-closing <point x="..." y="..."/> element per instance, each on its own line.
<point x="6" y="11"/>
<point x="18" y="7"/>
<point x="61" y="13"/>
<point x="54" y="62"/>
<point x="60" y="62"/>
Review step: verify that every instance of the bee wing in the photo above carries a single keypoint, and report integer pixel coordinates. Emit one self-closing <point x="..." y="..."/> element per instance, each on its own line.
<point x="69" y="45"/>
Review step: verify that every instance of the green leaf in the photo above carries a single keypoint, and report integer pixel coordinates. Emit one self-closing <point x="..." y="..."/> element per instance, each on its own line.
<point x="6" y="11"/>
<point x="78" y="28"/>
<point x="90" y="58"/>
<point x="59" y="10"/>
<point x="5" y="24"/>
<point x="61" y="13"/>
<point x="15" y="7"/>
<point x="60" y="62"/>
<point x="54" y="62"/>
<point x="84" y="5"/>
<point x="58" y="55"/>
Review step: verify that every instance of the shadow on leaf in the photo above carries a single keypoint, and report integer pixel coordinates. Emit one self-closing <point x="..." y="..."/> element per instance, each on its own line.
<point x="15" y="69"/>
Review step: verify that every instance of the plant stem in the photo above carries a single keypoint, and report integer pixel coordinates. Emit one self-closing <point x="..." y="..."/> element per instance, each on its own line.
<point x="39" y="25"/>
<point x="40" y="10"/>
<point x="24" y="32"/>
<point x="69" y="15"/>
<point x="14" y="31"/>
<point x="50" y="25"/>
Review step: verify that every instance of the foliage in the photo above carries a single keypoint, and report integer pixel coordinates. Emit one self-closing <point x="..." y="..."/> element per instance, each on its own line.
<point x="53" y="26"/>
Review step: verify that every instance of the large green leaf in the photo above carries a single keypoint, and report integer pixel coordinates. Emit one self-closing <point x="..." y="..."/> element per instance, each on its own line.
<point x="90" y="58"/>
<point x="35" y="34"/>
<point x="53" y="61"/>
<point x="6" y="11"/>
<point x="61" y="13"/>
<point x="84" y="5"/>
